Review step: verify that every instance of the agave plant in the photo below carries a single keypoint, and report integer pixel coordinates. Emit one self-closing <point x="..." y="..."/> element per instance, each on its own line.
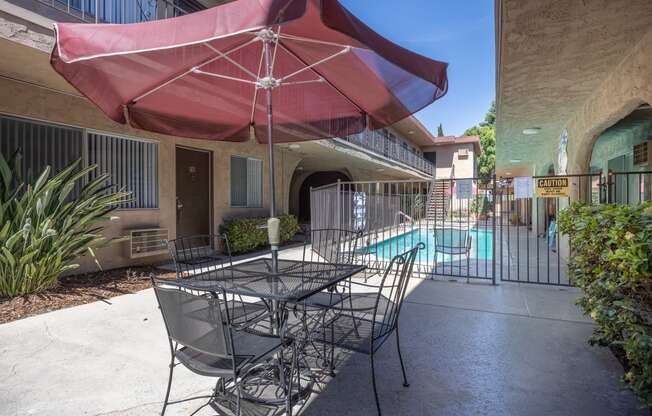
<point x="46" y="226"/>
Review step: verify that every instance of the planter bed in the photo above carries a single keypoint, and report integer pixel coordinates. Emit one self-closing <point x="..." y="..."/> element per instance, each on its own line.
<point x="78" y="290"/>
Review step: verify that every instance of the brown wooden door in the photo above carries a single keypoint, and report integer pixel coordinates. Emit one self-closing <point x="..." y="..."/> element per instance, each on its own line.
<point x="193" y="196"/>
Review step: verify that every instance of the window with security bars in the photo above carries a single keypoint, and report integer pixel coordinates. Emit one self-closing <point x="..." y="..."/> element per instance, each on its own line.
<point x="246" y="182"/>
<point x="641" y="154"/>
<point x="132" y="164"/>
<point x="39" y="145"/>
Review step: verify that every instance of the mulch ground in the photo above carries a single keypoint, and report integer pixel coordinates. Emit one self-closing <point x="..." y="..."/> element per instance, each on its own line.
<point x="78" y="290"/>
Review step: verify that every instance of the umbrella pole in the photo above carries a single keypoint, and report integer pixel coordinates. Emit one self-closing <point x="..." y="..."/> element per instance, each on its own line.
<point x="273" y="225"/>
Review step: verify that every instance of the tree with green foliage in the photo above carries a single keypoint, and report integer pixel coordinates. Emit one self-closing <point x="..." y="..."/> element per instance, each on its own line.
<point x="440" y="131"/>
<point x="46" y="227"/>
<point x="490" y="117"/>
<point x="487" y="133"/>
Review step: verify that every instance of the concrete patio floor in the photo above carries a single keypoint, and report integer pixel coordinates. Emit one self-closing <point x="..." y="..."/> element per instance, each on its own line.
<point x="470" y="349"/>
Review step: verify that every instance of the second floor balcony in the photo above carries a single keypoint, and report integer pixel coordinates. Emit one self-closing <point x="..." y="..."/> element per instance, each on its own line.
<point x="384" y="143"/>
<point x="110" y="11"/>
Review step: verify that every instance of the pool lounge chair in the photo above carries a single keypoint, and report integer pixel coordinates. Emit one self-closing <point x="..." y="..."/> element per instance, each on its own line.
<point x="454" y="242"/>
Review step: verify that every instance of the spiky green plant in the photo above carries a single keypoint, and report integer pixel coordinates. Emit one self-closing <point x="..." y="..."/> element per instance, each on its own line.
<point x="44" y="228"/>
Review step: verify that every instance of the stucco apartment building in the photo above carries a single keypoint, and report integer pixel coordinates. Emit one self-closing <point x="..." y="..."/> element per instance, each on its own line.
<point x="573" y="96"/>
<point x="180" y="186"/>
<point x="574" y="89"/>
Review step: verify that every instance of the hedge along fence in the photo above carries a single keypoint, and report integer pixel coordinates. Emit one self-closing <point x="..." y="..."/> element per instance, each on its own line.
<point x="611" y="262"/>
<point x="246" y="234"/>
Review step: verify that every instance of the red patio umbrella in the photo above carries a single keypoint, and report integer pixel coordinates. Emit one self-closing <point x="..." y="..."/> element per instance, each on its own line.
<point x="214" y="74"/>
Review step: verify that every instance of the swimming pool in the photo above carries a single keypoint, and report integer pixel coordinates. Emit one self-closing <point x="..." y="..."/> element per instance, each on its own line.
<point x="481" y="246"/>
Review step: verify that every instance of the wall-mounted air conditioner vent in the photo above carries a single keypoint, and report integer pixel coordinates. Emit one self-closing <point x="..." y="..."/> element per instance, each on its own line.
<point x="463" y="154"/>
<point x="147" y="242"/>
<point x="643" y="153"/>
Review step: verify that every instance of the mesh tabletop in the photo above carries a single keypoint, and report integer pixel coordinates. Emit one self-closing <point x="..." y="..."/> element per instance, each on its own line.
<point x="294" y="281"/>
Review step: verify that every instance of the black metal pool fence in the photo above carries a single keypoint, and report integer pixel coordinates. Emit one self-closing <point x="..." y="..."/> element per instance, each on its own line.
<point x="473" y="228"/>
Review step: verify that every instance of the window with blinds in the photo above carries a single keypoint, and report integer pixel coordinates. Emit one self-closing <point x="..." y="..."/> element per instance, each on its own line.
<point x="246" y="182"/>
<point x="132" y="164"/>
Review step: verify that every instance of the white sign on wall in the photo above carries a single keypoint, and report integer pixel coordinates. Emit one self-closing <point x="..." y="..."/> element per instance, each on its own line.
<point x="523" y="187"/>
<point x="464" y="188"/>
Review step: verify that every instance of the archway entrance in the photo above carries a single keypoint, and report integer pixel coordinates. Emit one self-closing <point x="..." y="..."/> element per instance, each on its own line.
<point x="314" y="180"/>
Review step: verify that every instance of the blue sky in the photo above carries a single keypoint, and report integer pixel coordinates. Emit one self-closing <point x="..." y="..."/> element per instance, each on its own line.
<point x="458" y="32"/>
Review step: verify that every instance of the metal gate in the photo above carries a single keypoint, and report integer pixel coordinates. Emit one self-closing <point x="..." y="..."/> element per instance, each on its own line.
<point x="529" y="246"/>
<point x="472" y="228"/>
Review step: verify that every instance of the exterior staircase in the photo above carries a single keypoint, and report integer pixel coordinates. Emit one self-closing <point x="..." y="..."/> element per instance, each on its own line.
<point x="437" y="203"/>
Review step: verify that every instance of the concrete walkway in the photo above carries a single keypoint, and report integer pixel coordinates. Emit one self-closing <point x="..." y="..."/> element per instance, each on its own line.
<point x="471" y="349"/>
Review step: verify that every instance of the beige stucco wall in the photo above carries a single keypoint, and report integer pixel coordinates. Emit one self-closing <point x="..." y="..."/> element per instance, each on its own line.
<point x="449" y="163"/>
<point x="625" y="89"/>
<point x="37" y="103"/>
<point x="554" y="60"/>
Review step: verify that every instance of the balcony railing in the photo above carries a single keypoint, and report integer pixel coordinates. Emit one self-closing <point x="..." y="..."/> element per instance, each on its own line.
<point x="122" y="11"/>
<point x="382" y="142"/>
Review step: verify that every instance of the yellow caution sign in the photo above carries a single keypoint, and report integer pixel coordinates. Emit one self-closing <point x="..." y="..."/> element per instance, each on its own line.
<point x="552" y="187"/>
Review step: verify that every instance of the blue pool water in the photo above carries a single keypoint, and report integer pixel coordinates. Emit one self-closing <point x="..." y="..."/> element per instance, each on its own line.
<point x="481" y="246"/>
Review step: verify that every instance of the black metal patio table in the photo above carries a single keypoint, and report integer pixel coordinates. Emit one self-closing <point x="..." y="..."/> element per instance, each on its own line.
<point x="294" y="283"/>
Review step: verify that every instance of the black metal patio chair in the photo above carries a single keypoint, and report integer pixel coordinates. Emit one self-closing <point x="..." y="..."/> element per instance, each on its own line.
<point x="199" y="254"/>
<point x="327" y="247"/>
<point x="209" y="257"/>
<point x="372" y="316"/>
<point x="323" y="250"/>
<point x="203" y="339"/>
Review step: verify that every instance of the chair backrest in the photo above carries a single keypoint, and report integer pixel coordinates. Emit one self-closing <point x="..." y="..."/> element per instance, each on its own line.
<point x="331" y="245"/>
<point x="193" y="320"/>
<point x="452" y="240"/>
<point x="199" y="254"/>
<point x="391" y="292"/>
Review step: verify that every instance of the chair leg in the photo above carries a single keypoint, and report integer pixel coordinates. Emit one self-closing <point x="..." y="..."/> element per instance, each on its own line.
<point x="288" y="400"/>
<point x="332" y="360"/>
<point x="400" y="357"/>
<point x="239" y="399"/>
<point x="373" y="382"/>
<point x="323" y="327"/>
<point x="355" y="324"/>
<point x="167" y="393"/>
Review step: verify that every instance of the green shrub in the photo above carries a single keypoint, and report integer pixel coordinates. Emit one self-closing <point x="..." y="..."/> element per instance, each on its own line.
<point x="246" y="235"/>
<point x="44" y="230"/>
<point x="611" y="261"/>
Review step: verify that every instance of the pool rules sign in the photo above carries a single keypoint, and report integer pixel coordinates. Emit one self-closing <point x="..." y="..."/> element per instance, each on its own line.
<point x="552" y="187"/>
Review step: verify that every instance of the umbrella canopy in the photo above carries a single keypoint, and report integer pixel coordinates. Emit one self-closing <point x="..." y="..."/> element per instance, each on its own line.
<point x="201" y="75"/>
